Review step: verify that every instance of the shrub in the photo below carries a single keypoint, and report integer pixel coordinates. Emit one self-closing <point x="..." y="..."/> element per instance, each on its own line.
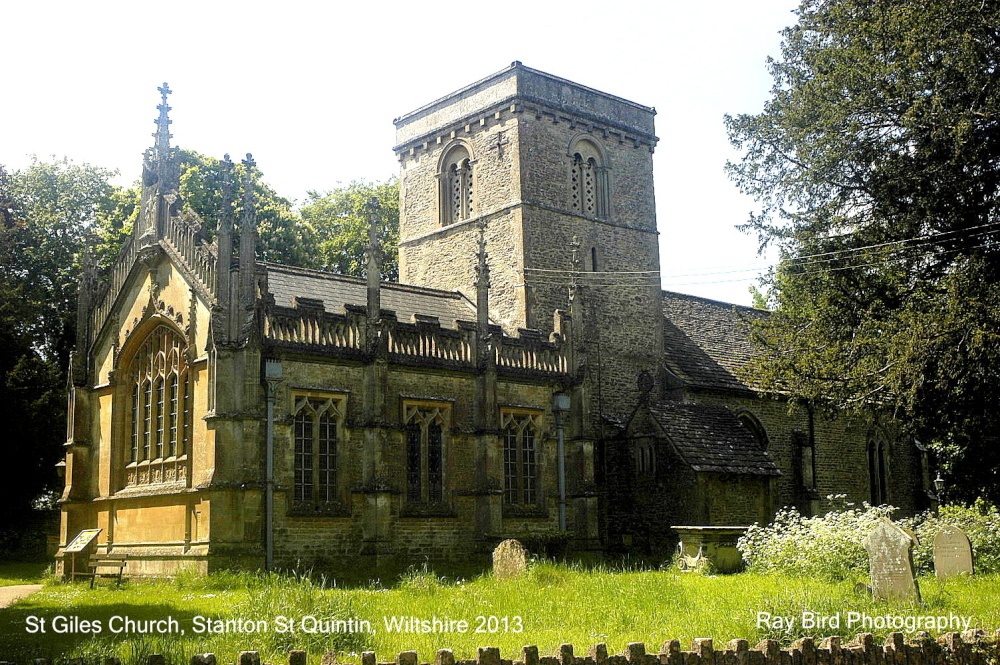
<point x="828" y="546"/>
<point x="980" y="522"/>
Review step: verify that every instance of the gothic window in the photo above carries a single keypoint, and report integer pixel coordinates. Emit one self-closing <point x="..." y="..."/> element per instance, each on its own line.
<point x="520" y="458"/>
<point x="877" y="477"/>
<point x="316" y="422"/>
<point x="645" y="457"/>
<point x="424" y="429"/>
<point x="755" y="427"/>
<point x="161" y="384"/>
<point x="588" y="180"/>
<point x="457" y="187"/>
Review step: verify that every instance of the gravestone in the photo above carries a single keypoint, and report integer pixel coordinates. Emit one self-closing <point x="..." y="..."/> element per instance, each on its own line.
<point x="952" y="553"/>
<point x="510" y="559"/>
<point x="890" y="559"/>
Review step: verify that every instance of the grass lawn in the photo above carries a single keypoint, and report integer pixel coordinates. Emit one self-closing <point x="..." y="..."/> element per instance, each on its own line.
<point x="550" y="606"/>
<point x="16" y="572"/>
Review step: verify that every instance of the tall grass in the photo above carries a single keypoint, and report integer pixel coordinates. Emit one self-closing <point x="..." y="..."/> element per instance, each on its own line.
<point x="552" y="604"/>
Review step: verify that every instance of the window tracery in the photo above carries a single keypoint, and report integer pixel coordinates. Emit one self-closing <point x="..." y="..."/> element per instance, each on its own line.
<point x="424" y="432"/>
<point x="520" y="457"/>
<point x="316" y="423"/>
<point x="457" y="186"/>
<point x="159" y="434"/>
<point x="588" y="180"/>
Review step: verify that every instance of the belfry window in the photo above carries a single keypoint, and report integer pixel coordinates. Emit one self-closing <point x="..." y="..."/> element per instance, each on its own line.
<point x="520" y="458"/>
<point x="457" y="186"/>
<point x="588" y="180"/>
<point x="424" y="438"/>
<point x="160" y="384"/>
<point x="316" y="423"/>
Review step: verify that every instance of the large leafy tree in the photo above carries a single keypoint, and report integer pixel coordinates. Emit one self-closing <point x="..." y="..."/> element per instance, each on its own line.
<point x="47" y="209"/>
<point x="339" y="218"/>
<point x="876" y="162"/>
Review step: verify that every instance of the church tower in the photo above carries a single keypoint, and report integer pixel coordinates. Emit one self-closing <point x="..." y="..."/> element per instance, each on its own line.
<point x="562" y="177"/>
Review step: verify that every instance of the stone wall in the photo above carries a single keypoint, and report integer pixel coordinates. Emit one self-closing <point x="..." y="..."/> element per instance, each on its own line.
<point x="971" y="648"/>
<point x="470" y="519"/>
<point x="841" y="456"/>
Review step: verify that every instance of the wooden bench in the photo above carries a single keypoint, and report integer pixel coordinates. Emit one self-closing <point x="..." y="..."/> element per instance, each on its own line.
<point x="107" y="565"/>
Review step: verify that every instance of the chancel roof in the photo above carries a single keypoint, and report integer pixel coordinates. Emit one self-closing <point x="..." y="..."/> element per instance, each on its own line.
<point x="705" y="341"/>
<point x="712" y="439"/>
<point x="287" y="283"/>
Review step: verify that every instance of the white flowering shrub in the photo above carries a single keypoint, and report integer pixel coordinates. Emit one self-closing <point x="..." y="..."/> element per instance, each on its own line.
<point x="828" y="546"/>
<point x="980" y="522"/>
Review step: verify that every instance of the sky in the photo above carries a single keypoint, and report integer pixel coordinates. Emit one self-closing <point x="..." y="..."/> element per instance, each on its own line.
<point x="311" y="89"/>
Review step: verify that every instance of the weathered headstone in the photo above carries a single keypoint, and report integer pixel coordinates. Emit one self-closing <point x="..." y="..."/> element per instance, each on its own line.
<point x="952" y="553"/>
<point x="890" y="559"/>
<point x="510" y="559"/>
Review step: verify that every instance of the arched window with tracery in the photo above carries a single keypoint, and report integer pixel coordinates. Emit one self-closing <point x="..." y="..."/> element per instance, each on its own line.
<point x="161" y="396"/>
<point x="424" y="429"/>
<point x="457" y="185"/>
<point x="316" y="421"/>
<point x="588" y="180"/>
<point x="520" y="458"/>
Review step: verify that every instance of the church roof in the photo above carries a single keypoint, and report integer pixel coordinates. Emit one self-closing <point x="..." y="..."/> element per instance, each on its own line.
<point x="706" y="342"/>
<point x="286" y="283"/>
<point x="712" y="439"/>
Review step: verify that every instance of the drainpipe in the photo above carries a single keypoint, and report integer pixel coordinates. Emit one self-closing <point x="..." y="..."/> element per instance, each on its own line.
<point x="272" y="374"/>
<point x="560" y="404"/>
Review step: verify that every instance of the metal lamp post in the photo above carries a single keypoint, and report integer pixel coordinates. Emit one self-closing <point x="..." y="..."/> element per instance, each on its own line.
<point x="560" y="405"/>
<point x="938" y="488"/>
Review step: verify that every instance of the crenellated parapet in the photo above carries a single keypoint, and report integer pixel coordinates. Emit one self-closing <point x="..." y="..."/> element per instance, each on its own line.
<point x="423" y="342"/>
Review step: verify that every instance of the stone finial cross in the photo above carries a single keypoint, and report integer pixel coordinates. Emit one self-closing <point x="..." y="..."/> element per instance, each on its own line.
<point x="161" y="134"/>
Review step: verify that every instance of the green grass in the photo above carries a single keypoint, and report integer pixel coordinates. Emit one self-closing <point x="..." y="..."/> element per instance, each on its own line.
<point x="14" y="572"/>
<point x="556" y="605"/>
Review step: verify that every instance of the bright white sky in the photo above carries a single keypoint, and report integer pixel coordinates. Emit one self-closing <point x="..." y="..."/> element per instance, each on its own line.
<point x="311" y="89"/>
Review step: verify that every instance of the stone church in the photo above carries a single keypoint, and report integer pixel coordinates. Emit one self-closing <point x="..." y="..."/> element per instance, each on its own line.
<point x="526" y="378"/>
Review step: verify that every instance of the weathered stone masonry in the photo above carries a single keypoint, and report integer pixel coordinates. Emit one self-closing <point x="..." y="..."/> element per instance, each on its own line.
<point x="416" y="420"/>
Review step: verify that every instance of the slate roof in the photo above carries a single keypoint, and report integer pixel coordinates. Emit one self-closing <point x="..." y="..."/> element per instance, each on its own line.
<point x="712" y="439"/>
<point x="287" y="282"/>
<point x="707" y="341"/>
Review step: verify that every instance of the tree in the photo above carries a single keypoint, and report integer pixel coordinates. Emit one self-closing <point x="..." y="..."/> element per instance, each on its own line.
<point x="48" y="209"/>
<point x="340" y="220"/>
<point x="876" y="162"/>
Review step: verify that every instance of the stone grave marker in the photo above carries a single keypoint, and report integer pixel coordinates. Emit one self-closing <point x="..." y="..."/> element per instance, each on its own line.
<point x="952" y="553"/>
<point x="890" y="559"/>
<point x="510" y="559"/>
